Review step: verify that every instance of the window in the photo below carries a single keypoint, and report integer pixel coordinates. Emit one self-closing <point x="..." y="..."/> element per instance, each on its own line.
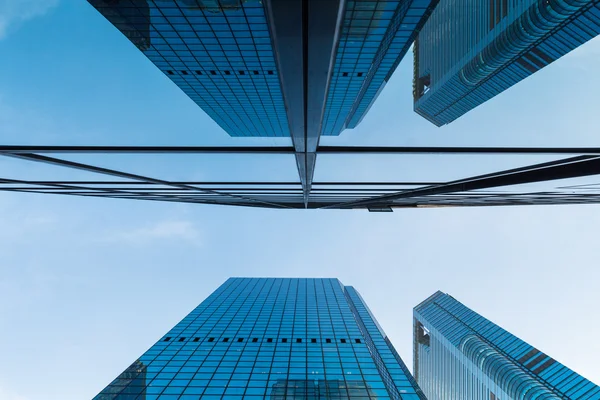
<point x="212" y="339"/>
<point x="327" y="340"/>
<point x="357" y="341"/>
<point x="423" y="335"/>
<point x="544" y="365"/>
<point x="298" y="340"/>
<point x="167" y="338"/>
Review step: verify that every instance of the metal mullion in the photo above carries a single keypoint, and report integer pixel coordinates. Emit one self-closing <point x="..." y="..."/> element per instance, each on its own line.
<point x="106" y="171"/>
<point x="561" y="169"/>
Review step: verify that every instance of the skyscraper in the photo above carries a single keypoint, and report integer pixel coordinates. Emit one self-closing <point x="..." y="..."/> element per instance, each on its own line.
<point x="267" y="338"/>
<point x="299" y="68"/>
<point x="471" y="50"/>
<point x="458" y="354"/>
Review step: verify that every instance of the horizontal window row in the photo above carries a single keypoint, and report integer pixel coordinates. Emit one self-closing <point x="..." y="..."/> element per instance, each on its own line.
<point x="215" y="72"/>
<point x="240" y="72"/>
<point x="256" y="340"/>
<point x="359" y="74"/>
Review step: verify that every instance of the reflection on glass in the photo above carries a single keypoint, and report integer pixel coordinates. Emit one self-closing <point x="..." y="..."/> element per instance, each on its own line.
<point x="466" y="353"/>
<point x="224" y="64"/>
<point x="130" y="385"/>
<point x="319" y="389"/>
<point x="266" y="338"/>
<point x="132" y="17"/>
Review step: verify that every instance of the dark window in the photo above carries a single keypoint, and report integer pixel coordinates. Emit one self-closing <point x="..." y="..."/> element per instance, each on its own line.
<point x="327" y="340"/>
<point x="196" y="339"/>
<point x="536" y="360"/>
<point x="298" y="340"/>
<point x="343" y="340"/>
<point x="527" y="65"/>
<point x="181" y="339"/>
<point x="313" y="340"/>
<point x="213" y="72"/>
<point x="254" y="340"/>
<point x="544" y="365"/>
<point x="542" y="55"/>
<point x="422" y="334"/>
<point x="255" y="72"/>
<point x="357" y="341"/>
<point x="284" y="340"/>
<point x="227" y="72"/>
<point x="199" y="72"/>
<point x="534" y="60"/>
<point x="242" y="72"/>
<point x="270" y="72"/>
<point x="359" y="74"/>
<point x="240" y="340"/>
<point x="344" y="74"/>
<point x="529" y="354"/>
<point x="169" y="72"/>
<point x="212" y="339"/>
<point x="184" y="72"/>
<point x="269" y="340"/>
<point x="167" y="338"/>
<point x="226" y="339"/>
<point x="422" y="86"/>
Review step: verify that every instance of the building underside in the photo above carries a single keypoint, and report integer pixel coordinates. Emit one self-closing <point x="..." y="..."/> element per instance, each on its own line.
<point x="569" y="177"/>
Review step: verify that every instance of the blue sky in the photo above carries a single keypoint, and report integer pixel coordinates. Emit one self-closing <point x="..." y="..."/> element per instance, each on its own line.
<point x="87" y="285"/>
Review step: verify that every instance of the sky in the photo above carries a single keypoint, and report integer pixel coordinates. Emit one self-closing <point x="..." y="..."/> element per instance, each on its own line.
<point x="87" y="285"/>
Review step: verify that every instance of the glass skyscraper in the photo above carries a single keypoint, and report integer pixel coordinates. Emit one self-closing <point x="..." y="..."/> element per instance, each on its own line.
<point x="278" y="68"/>
<point x="458" y="354"/>
<point x="471" y="50"/>
<point x="269" y="338"/>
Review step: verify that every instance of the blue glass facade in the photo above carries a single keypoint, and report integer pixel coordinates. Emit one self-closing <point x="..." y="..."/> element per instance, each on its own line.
<point x="268" y="338"/>
<point x="375" y="37"/>
<point x="471" y="50"/>
<point x="219" y="53"/>
<point x="223" y="54"/>
<point x="458" y="354"/>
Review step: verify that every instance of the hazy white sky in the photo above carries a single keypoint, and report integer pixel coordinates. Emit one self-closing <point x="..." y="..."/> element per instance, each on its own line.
<point x="87" y="285"/>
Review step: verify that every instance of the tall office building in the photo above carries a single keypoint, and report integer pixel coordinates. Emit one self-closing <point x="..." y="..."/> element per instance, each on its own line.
<point x="299" y="68"/>
<point x="458" y="354"/>
<point x="267" y="338"/>
<point x="471" y="50"/>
